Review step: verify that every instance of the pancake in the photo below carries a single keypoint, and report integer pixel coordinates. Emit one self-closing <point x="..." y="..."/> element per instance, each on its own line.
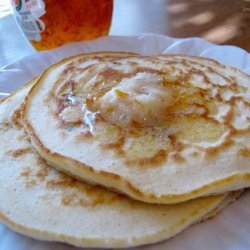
<point x="160" y="129"/>
<point x="40" y="202"/>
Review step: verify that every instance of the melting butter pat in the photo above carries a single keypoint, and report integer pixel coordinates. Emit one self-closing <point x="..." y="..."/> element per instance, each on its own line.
<point x="141" y="99"/>
<point x="71" y="114"/>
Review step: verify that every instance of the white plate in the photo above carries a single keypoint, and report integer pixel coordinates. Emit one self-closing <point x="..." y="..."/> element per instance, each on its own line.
<point x="231" y="228"/>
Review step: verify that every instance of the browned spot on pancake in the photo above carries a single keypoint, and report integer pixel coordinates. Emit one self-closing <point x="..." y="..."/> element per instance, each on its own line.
<point x="89" y="103"/>
<point x="132" y="63"/>
<point x="67" y="87"/>
<point x="42" y="173"/>
<point x="26" y="172"/>
<point x="110" y="74"/>
<point x="61" y="105"/>
<point x="37" y="173"/>
<point x="115" y="145"/>
<point x="136" y="191"/>
<point x="16" y="118"/>
<point x="23" y="137"/>
<point x="228" y="118"/>
<point x="131" y="202"/>
<point x="96" y="199"/>
<point x="241" y="132"/>
<point x="83" y="136"/>
<point x="231" y="83"/>
<point x="30" y="183"/>
<point x="135" y="124"/>
<point x="63" y="181"/>
<point x="243" y="152"/>
<point x="218" y="97"/>
<point x="19" y="152"/>
<point x="234" y="99"/>
<point x="177" y="145"/>
<point x="69" y="69"/>
<point x="29" y="180"/>
<point x="147" y="70"/>
<point x="201" y="73"/>
<point x="28" y="139"/>
<point x="4" y="126"/>
<point x="110" y="175"/>
<point x="78" y="194"/>
<point x="91" y="190"/>
<point x="234" y="87"/>
<point x="120" y="152"/>
<point x="101" y="195"/>
<point x="153" y="161"/>
<point x="74" y="200"/>
<point x="41" y="161"/>
<point x="195" y="154"/>
<point x="99" y="58"/>
<point x="98" y="118"/>
<point x="177" y="157"/>
<point x="68" y="125"/>
<point x="213" y="151"/>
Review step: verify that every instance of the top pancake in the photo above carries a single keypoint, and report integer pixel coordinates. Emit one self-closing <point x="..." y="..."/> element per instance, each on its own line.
<point x="161" y="129"/>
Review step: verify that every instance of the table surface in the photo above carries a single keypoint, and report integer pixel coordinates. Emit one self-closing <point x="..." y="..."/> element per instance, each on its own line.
<point x="221" y="22"/>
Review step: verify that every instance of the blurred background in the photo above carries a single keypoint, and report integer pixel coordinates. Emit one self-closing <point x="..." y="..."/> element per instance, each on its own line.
<point x="218" y="21"/>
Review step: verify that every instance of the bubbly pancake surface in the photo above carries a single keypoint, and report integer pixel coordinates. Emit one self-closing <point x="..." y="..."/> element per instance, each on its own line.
<point x="40" y="202"/>
<point x="160" y="129"/>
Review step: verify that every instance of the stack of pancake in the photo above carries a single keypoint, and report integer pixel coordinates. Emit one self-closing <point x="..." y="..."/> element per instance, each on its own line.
<point x="119" y="150"/>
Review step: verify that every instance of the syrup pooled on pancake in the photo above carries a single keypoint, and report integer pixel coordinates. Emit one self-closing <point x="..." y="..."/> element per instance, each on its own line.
<point x="161" y="129"/>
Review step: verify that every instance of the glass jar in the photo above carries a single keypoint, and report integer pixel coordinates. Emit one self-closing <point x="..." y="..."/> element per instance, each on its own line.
<point x="50" y="23"/>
